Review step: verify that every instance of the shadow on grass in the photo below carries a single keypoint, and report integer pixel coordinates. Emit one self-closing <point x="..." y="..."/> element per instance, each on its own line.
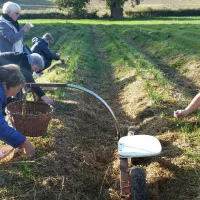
<point x="76" y="161"/>
<point x="183" y="183"/>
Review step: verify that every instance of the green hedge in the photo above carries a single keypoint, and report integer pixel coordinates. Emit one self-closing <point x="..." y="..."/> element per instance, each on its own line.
<point x="164" y="13"/>
<point x="57" y="14"/>
<point x="54" y="14"/>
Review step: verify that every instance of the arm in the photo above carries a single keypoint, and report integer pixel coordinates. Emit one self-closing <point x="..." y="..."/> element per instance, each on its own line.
<point x="9" y="34"/>
<point x="47" y="100"/>
<point x="14" y="138"/>
<point x="8" y="134"/>
<point x="26" y="71"/>
<point x="194" y="105"/>
<point x="45" y="49"/>
<point x="29" y="79"/>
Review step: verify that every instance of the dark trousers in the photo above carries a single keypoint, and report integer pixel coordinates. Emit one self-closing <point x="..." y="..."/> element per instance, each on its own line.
<point x="47" y="64"/>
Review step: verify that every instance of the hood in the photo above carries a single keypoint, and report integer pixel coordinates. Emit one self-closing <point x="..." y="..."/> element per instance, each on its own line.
<point x="36" y="39"/>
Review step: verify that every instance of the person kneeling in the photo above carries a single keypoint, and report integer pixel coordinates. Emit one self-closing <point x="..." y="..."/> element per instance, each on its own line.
<point x="41" y="46"/>
<point x="11" y="81"/>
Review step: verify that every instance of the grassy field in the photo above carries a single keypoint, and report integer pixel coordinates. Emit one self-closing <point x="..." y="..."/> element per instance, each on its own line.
<point x="101" y="6"/>
<point x="144" y="70"/>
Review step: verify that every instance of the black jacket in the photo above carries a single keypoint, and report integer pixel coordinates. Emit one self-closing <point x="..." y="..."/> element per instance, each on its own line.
<point x="41" y="47"/>
<point x="21" y="60"/>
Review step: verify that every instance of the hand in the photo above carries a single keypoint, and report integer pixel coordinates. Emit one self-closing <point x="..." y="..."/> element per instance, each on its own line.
<point x="57" y="54"/>
<point x="47" y="100"/>
<point x="180" y="113"/>
<point x="26" y="27"/>
<point x="29" y="148"/>
<point x="31" y="25"/>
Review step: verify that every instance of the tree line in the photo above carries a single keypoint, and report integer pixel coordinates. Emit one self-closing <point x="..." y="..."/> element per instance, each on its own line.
<point x="77" y="7"/>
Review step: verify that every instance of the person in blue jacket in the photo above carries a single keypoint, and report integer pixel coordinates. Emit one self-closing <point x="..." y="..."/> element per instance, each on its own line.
<point x="11" y="81"/>
<point x="41" y="46"/>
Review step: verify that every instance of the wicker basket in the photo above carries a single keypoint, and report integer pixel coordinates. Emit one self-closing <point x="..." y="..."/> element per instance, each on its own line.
<point x="6" y="153"/>
<point x="35" y="122"/>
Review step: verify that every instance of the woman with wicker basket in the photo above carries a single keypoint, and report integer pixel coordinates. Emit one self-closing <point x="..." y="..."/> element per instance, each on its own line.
<point x="11" y="81"/>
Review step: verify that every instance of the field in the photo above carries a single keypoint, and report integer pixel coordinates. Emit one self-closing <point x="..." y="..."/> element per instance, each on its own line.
<point x="101" y="7"/>
<point x="144" y="70"/>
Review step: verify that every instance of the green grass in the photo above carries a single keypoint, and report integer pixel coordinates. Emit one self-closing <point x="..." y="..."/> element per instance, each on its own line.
<point x="138" y="67"/>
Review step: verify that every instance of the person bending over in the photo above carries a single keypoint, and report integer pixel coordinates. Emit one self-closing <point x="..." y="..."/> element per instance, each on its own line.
<point x="11" y="81"/>
<point x="28" y="64"/>
<point x="41" y="46"/>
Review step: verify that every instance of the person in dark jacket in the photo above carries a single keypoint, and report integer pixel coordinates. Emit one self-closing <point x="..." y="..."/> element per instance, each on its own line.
<point x="28" y="64"/>
<point x="41" y="46"/>
<point x="11" y="81"/>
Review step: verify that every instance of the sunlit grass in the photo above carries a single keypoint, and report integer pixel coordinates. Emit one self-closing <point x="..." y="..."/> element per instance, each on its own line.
<point x="153" y="21"/>
<point x="146" y="64"/>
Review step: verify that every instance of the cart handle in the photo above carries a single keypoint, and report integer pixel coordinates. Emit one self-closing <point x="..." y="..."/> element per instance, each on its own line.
<point x="83" y="89"/>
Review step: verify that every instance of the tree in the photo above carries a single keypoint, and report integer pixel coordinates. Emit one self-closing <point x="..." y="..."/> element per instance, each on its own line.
<point x="116" y="7"/>
<point x="135" y="2"/>
<point x="120" y="3"/>
<point x="75" y="6"/>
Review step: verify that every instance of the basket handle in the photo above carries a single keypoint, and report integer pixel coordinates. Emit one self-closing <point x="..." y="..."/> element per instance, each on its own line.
<point x="34" y="96"/>
<point x="24" y="101"/>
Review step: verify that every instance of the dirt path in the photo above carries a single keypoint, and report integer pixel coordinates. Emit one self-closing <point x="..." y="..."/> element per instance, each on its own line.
<point x="88" y="163"/>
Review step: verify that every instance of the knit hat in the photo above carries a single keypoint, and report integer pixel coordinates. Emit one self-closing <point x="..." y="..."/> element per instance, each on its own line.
<point x="48" y="36"/>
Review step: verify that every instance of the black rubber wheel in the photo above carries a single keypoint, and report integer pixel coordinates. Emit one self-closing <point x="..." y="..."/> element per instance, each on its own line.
<point x="138" y="184"/>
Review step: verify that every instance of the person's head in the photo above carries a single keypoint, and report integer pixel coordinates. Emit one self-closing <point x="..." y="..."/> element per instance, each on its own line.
<point x="48" y="38"/>
<point x="12" y="9"/>
<point x="12" y="79"/>
<point x="36" y="61"/>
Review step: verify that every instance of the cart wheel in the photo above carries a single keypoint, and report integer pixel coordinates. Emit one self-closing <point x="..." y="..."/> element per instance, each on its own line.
<point x="138" y="183"/>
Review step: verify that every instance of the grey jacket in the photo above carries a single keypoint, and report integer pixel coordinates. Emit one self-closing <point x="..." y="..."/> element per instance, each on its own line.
<point x="8" y="36"/>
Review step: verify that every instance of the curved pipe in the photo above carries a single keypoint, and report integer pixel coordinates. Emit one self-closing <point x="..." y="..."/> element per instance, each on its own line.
<point x="83" y="89"/>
